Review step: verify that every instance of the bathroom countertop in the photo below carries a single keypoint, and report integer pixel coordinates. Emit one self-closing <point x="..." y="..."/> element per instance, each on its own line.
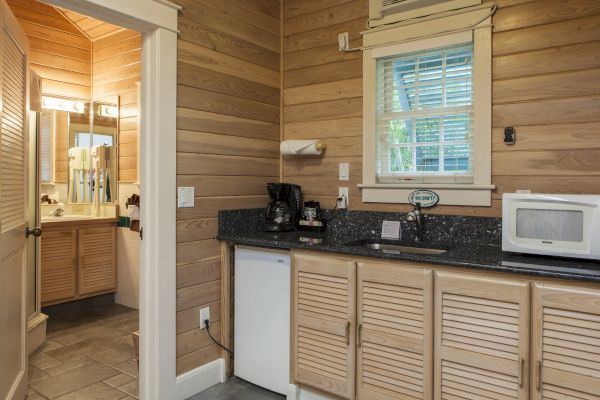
<point x="467" y="252"/>
<point x="77" y="220"/>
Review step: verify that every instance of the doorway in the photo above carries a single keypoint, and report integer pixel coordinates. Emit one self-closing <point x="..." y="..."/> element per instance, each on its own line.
<point x="157" y="20"/>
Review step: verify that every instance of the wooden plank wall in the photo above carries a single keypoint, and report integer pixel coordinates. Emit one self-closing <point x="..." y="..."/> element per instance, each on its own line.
<point x="227" y="144"/>
<point x="116" y="67"/>
<point x="546" y="72"/>
<point x="60" y="53"/>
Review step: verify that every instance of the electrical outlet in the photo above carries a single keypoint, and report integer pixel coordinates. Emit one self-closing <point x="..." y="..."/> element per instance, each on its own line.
<point x="185" y="197"/>
<point x="343" y="41"/>
<point x="204" y="315"/>
<point x="343" y="193"/>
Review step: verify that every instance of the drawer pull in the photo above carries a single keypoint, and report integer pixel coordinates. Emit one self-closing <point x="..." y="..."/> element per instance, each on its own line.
<point x="538" y="377"/>
<point x="521" y="372"/>
<point x="360" y="335"/>
<point x="348" y="333"/>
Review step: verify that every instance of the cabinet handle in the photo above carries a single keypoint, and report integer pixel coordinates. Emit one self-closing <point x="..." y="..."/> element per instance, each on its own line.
<point x="521" y="371"/>
<point x="360" y="335"/>
<point x="538" y="377"/>
<point x="348" y="332"/>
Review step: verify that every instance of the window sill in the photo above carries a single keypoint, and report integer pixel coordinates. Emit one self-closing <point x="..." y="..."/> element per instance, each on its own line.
<point x="449" y="194"/>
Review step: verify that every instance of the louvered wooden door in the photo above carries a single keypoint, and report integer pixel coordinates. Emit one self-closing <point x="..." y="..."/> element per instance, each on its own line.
<point x="324" y="324"/>
<point x="97" y="271"/>
<point x="14" y="182"/>
<point x="395" y="334"/>
<point x="481" y="338"/>
<point x="58" y="266"/>
<point x="566" y="343"/>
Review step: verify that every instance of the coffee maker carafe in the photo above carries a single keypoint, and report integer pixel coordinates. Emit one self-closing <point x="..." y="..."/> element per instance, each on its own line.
<point x="282" y="212"/>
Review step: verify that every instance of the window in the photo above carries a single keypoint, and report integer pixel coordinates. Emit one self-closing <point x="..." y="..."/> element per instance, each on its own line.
<point x="424" y="116"/>
<point x="427" y="108"/>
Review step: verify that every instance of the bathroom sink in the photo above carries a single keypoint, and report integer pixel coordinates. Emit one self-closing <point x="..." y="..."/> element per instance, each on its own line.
<point x="397" y="248"/>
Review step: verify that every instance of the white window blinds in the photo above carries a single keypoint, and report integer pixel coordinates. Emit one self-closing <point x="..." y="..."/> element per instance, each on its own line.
<point x="424" y="116"/>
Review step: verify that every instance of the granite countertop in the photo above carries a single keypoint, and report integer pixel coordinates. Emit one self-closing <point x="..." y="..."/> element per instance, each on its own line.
<point x="470" y="252"/>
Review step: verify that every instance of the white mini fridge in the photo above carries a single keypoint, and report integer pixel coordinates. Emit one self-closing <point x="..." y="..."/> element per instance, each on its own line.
<point x="262" y="317"/>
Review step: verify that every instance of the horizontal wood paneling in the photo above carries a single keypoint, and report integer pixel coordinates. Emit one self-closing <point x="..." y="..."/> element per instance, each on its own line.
<point x="116" y="70"/>
<point x="546" y="72"/>
<point x="227" y="144"/>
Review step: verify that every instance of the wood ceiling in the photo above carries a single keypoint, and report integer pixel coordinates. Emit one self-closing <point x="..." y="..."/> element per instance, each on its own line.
<point x="93" y="28"/>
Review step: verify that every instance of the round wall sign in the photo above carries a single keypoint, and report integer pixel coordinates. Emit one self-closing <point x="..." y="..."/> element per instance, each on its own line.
<point x="427" y="198"/>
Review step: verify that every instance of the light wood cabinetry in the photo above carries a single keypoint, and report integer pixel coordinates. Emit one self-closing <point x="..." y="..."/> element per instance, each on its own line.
<point x="431" y="332"/>
<point x="395" y="332"/>
<point x="566" y="342"/>
<point x="481" y="337"/>
<point x="77" y="262"/>
<point x="324" y="323"/>
<point x="97" y="267"/>
<point x="59" y="258"/>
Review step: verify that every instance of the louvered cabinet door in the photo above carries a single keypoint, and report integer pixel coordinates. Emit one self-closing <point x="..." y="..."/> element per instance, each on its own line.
<point x="58" y="272"/>
<point x="566" y="343"/>
<point x="395" y="333"/>
<point x="482" y="328"/>
<point x="323" y="324"/>
<point x="97" y="271"/>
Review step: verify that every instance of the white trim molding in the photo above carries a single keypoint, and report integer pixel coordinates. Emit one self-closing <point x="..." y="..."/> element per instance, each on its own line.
<point x="433" y="31"/>
<point x="200" y="379"/>
<point x="157" y="21"/>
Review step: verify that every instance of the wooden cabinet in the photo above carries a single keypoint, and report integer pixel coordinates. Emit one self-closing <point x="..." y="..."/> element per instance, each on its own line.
<point x="481" y="337"/>
<point x="395" y="332"/>
<point x="324" y="312"/>
<point x="96" y="260"/>
<point x="77" y="262"/>
<point x="566" y="342"/>
<point x="58" y="266"/>
<point x="428" y="332"/>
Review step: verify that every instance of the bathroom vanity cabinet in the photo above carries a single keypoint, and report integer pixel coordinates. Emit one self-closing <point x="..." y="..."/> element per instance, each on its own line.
<point x="77" y="260"/>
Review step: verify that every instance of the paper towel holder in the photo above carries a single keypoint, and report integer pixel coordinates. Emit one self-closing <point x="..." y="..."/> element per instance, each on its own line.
<point x="302" y="147"/>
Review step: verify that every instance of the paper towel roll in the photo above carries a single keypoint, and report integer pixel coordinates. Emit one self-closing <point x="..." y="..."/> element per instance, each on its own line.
<point x="301" y="147"/>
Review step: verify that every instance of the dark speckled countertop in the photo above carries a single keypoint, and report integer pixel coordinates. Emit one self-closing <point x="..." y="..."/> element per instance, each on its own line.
<point x="472" y="242"/>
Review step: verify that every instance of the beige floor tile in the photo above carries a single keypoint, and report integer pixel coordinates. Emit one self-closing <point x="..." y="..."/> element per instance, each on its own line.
<point x="114" y="355"/>
<point x="35" y="396"/>
<point x="97" y="391"/>
<point x="42" y="360"/>
<point x="130" y="367"/>
<point x="119" y="380"/>
<point x="75" y="350"/>
<point x="68" y="365"/>
<point x="35" y="374"/>
<point x="131" y="388"/>
<point x="75" y="379"/>
<point x="66" y="339"/>
<point x="49" y="345"/>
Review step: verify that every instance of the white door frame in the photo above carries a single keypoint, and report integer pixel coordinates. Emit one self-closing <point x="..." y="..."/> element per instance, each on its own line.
<point x="157" y="20"/>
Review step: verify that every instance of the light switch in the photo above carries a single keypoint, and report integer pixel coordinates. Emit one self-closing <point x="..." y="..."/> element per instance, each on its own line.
<point x="185" y="197"/>
<point x="344" y="171"/>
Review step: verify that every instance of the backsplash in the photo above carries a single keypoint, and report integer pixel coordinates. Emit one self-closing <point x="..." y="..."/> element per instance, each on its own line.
<point x="354" y="225"/>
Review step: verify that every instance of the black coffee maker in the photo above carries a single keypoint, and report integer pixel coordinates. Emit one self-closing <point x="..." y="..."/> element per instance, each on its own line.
<point x="283" y="211"/>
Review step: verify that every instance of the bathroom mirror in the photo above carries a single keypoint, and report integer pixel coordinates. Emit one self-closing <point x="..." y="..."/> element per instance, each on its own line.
<point x="79" y="148"/>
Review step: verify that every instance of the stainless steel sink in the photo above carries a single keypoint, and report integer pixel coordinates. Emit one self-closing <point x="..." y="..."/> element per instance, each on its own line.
<point x="392" y="248"/>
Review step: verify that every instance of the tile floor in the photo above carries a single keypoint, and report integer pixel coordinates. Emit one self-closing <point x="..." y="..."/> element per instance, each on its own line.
<point x="88" y="355"/>
<point x="236" y="389"/>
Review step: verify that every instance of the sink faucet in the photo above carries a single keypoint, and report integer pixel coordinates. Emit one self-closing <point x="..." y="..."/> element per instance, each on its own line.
<point x="417" y="217"/>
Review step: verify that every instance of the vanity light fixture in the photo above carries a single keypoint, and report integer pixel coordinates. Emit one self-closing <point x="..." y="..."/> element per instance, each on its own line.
<point x="56" y="103"/>
<point x="108" y="111"/>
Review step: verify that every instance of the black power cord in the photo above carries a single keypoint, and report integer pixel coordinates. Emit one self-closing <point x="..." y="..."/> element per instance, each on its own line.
<point x="206" y="324"/>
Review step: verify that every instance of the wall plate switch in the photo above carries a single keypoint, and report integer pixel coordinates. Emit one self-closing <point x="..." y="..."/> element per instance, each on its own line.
<point x="343" y="41"/>
<point x="343" y="194"/>
<point x="344" y="171"/>
<point x="185" y="197"/>
<point x="204" y="315"/>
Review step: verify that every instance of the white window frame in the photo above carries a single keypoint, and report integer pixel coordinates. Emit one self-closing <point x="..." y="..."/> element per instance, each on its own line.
<point x="429" y="33"/>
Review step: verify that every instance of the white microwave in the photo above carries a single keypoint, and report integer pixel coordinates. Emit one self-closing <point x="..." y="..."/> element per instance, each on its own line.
<point x="551" y="224"/>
